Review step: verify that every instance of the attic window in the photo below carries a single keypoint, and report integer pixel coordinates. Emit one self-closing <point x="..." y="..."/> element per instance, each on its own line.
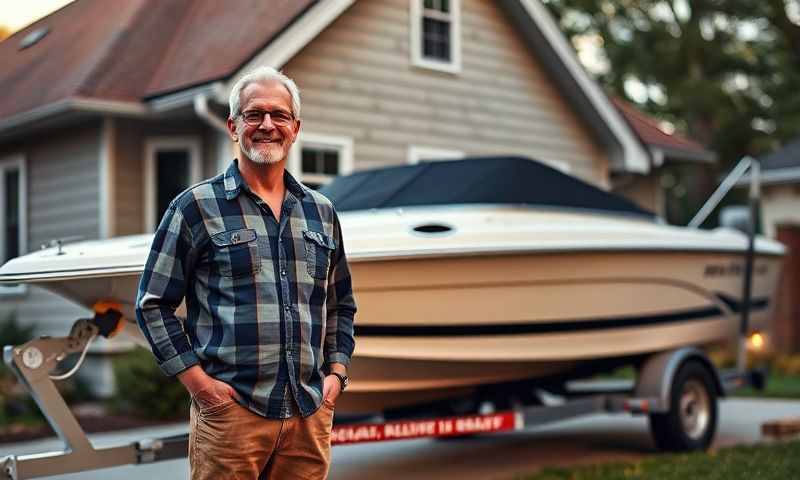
<point x="435" y="34"/>
<point x="33" y="37"/>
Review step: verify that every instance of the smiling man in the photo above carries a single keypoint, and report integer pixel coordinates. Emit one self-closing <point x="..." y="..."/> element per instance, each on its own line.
<point x="259" y="259"/>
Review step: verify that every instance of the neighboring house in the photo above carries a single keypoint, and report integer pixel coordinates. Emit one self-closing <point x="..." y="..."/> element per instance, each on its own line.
<point x="109" y="111"/>
<point x="780" y="219"/>
<point x="667" y="152"/>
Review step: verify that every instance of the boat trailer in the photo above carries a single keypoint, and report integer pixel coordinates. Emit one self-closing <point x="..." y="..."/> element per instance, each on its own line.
<point x="682" y="407"/>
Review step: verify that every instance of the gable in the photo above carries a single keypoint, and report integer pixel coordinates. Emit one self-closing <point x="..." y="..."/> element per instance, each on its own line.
<point x="357" y="80"/>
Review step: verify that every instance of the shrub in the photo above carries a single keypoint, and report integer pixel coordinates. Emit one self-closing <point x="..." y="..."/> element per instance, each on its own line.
<point x="788" y="365"/>
<point x="143" y="390"/>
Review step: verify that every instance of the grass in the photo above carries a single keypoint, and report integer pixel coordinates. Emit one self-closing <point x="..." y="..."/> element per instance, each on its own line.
<point x="779" y="461"/>
<point x="778" y="386"/>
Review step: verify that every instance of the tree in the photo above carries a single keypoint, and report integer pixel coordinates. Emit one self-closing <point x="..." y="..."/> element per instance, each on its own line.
<point x="723" y="71"/>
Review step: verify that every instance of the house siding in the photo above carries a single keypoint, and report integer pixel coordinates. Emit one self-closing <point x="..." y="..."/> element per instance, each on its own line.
<point x="645" y="191"/>
<point x="779" y="206"/>
<point x="63" y="203"/>
<point x="129" y="149"/>
<point x="357" y="80"/>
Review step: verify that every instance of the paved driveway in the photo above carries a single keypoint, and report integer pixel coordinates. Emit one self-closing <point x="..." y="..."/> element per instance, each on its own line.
<point x="587" y="440"/>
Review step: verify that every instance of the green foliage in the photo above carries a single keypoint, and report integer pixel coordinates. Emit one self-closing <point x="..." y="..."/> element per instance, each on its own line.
<point x="11" y="333"/>
<point x="723" y="71"/>
<point x="765" y="462"/>
<point x="143" y="390"/>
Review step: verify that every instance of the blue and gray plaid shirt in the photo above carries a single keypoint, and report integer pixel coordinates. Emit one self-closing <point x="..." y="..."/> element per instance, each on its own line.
<point x="269" y="303"/>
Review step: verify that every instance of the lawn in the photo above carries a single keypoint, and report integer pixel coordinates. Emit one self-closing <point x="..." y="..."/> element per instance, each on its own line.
<point x="778" y="386"/>
<point x="779" y="461"/>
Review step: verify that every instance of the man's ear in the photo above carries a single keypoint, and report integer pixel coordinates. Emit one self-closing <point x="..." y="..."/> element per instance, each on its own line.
<point x="232" y="130"/>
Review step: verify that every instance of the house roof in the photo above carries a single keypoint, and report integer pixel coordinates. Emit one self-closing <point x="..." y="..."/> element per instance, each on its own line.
<point x="662" y="144"/>
<point x="144" y="54"/>
<point x="787" y="157"/>
<point x="779" y="167"/>
<point x="139" y="49"/>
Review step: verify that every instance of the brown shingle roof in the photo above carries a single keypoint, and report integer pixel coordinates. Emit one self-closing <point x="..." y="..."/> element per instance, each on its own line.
<point x="134" y="49"/>
<point x="651" y="134"/>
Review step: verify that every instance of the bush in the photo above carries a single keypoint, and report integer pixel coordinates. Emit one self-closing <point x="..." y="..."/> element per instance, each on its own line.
<point x="788" y="365"/>
<point x="11" y="333"/>
<point x="143" y="390"/>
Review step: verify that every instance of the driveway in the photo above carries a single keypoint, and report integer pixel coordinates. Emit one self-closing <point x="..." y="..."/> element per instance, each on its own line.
<point x="597" y="438"/>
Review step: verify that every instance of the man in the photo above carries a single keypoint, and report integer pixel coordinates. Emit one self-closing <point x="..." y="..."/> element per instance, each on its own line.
<point x="259" y="259"/>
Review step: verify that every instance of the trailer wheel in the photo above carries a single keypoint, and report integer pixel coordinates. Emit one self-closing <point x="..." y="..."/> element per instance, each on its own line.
<point x="691" y="421"/>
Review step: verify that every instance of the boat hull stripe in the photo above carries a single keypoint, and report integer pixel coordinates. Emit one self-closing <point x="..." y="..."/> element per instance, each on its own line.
<point x="546" y="327"/>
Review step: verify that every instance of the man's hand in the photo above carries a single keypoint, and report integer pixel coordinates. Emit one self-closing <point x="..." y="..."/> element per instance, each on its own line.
<point x="331" y="389"/>
<point x="205" y="390"/>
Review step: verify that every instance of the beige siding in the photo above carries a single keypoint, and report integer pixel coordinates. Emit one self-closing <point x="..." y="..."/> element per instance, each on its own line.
<point x="644" y="191"/>
<point x="128" y="183"/>
<point x="357" y="80"/>
<point x="780" y="206"/>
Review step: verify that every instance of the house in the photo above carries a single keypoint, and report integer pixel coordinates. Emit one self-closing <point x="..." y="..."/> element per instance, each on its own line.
<point x="780" y="219"/>
<point x="108" y="112"/>
<point x="668" y="153"/>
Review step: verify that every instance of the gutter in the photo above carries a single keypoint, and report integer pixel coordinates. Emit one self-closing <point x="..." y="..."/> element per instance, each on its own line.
<point x="774" y="176"/>
<point x="75" y="104"/>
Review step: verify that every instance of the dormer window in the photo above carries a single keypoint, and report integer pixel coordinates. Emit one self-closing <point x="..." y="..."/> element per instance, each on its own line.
<point x="435" y="34"/>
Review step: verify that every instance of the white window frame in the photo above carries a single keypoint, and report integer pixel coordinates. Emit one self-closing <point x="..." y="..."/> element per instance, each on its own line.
<point x="152" y="145"/>
<point x="418" y="153"/>
<point x="340" y="143"/>
<point x="417" y="11"/>
<point x="16" y="161"/>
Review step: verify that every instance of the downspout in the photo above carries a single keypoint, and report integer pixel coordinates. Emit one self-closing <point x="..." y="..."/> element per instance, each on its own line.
<point x="202" y="111"/>
<point x="200" y="103"/>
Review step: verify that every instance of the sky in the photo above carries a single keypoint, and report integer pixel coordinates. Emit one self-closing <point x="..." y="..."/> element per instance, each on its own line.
<point x="16" y="14"/>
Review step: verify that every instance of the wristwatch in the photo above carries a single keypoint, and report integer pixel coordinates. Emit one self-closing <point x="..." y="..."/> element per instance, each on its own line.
<point x="344" y="380"/>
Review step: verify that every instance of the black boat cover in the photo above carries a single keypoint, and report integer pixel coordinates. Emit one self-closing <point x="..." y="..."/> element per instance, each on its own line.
<point x="477" y="180"/>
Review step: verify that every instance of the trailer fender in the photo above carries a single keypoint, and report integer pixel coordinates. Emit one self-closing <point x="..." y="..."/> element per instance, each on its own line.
<point x="654" y="379"/>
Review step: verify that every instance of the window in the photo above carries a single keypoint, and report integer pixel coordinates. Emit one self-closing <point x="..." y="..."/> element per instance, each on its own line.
<point x="13" y="220"/>
<point x="316" y="159"/>
<point x="436" y="34"/>
<point x="425" y="154"/>
<point x="171" y="166"/>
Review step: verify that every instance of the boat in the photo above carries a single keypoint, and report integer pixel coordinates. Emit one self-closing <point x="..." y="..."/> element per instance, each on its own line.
<point x="487" y="271"/>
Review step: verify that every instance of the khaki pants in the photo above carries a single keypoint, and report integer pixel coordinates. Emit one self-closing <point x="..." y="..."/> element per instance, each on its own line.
<point x="229" y="441"/>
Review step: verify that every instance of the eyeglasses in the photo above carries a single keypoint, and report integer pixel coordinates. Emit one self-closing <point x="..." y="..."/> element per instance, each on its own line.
<point x="256" y="117"/>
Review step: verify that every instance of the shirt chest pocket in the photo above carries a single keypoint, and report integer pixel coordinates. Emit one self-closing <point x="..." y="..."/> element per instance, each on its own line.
<point x="236" y="253"/>
<point x="319" y="248"/>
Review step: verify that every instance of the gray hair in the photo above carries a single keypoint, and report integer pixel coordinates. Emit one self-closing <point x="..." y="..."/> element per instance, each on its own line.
<point x="259" y="75"/>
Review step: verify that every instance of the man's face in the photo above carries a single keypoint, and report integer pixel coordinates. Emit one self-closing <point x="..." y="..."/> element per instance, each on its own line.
<point x="267" y="141"/>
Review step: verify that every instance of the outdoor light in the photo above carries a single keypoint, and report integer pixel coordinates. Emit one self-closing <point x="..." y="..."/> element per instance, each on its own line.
<point x="756" y="341"/>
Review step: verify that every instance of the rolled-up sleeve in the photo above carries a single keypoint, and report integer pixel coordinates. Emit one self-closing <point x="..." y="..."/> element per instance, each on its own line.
<point x="162" y="289"/>
<point x="341" y="305"/>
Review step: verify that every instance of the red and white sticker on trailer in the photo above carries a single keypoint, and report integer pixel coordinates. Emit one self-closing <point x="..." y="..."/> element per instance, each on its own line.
<point x="432" y="427"/>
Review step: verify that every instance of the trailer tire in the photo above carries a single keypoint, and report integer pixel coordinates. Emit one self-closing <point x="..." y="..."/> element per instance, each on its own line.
<point x="691" y="421"/>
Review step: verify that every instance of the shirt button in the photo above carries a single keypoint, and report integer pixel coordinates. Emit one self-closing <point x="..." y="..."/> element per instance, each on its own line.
<point x="283" y="273"/>
<point x="286" y="307"/>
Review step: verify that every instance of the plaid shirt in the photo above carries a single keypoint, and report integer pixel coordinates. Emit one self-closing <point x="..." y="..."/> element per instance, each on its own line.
<point x="269" y="303"/>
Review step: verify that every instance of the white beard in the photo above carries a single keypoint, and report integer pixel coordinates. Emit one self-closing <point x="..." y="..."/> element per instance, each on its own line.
<point x="262" y="156"/>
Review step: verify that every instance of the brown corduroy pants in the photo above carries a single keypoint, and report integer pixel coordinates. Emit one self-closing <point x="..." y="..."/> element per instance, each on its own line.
<point x="228" y="441"/>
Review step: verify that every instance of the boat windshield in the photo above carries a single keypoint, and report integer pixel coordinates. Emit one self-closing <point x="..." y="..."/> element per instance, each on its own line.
<point x="479" y="180"/>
